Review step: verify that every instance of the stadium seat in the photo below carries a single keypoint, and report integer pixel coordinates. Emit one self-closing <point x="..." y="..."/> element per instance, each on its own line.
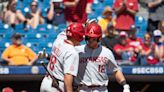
<point x="19" y="26"/>
<point x="8" y="35"/>
<point x="61" y="27"/>
<point x="41" y="28"/>
<point x="19" y="5"/>
<point x="98" y="7"/>
<point x="93" y="15"/>
<point x="33" y="45"/>
<point x="1" y="36"/>
<point x="45" y="44"/>
<point x="27" y="3"/>
<point x="141" y="23"/>
<point x="1" y="21"/>
<point x="46" y="2"/>
<point x="108" y="3"/>
<point x="5" y="43"/>
<point x="34" y="37"/>
<point x="52" y="36"/>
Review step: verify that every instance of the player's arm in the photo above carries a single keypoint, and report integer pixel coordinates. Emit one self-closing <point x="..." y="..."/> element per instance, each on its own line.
<point x="121" y="80"/>
<point x="68" y="78"/>
<point x="117" y="73"/>
<point x="71" y="63"/>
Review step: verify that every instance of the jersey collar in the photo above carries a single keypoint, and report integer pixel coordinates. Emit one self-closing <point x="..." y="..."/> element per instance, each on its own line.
<point x="68" y="42"/>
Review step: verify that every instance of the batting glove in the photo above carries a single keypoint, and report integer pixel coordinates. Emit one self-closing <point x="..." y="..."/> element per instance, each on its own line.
<point x="42" y="54"/>
<point x="126" y="88"/>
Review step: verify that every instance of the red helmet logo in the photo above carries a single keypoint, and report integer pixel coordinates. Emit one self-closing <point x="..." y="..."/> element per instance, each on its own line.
<point x="93" y="30"/>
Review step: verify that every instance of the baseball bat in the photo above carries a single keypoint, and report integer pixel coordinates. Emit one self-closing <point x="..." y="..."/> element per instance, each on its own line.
<point x="54" y="79"/>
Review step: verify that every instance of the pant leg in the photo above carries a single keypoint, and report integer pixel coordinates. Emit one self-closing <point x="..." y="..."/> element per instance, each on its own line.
<point x="61" y="86"/>
<point x="46" y="85"/>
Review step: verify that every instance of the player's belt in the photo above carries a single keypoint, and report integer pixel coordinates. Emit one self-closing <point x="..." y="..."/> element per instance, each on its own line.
<point x="47" y="75"/>
<point x="91" y="86"/>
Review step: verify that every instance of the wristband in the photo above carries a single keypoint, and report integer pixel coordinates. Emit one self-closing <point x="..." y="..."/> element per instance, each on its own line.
<point x="123" y="83"/>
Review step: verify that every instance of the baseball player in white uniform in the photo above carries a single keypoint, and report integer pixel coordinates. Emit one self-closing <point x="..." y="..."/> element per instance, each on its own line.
<point x="64" y="61"/>
<point x="93" y="62"/>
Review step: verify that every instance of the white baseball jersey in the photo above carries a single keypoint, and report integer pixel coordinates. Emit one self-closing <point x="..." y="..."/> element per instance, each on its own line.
<point x="64" y="59"/>
<point x="93" y="65"/>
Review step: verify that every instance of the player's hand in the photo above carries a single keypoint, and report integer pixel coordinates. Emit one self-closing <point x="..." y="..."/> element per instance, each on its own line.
<point x="126" y="88"/>
<point x="42" y="54"/>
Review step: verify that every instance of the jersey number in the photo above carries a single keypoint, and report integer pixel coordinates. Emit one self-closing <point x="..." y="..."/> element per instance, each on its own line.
<point x="52" y="62"/>
<point x="101" y="68"/>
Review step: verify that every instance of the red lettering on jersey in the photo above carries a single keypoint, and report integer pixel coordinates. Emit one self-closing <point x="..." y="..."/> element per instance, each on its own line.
<point x="56" y="51"/>
<point x="94" y="59"/>
<point x="52" y="62"/>
<point x="101" y="69"/>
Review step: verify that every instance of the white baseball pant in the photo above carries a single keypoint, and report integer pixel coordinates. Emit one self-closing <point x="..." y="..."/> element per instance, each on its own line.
<point x="46" y="85"/>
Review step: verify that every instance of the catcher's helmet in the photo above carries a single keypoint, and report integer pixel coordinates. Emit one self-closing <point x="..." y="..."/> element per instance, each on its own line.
<point x="76" y="31"/>
<point x="93" y="30"/>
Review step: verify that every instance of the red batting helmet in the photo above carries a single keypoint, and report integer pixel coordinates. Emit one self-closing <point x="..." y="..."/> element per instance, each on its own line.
<point x="93" y="30"/>
<point x="7" y="89"/>
<point x="76" y="31"/>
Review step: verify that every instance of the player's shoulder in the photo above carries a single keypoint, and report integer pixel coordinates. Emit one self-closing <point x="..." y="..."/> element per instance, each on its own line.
<point x="106" y="50"/>
<point x="80" y="48"/>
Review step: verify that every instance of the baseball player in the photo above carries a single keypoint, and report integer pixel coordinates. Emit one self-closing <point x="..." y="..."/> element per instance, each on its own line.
<point x="64" y="61"/>
<point x="93" y="59"/>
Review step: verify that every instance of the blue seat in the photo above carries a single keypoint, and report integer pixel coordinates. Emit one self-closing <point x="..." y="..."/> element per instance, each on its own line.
<point x="47" y="2"/>
<point x="47" y="45"/>
<point x="32" y="37"/>
<point x="60" y="28"/>
<point x="1" y="36"/>
<point x="108" y="3"/>
<point x="52" y="36"/>
<point x="19" y="26"/>
<point x="42" y="28"/>
<point x="19" y="5"/>
<point x="21" y="31"/>
<point x="1" y="21"/>
<point x="27" y="3"/>
<point x="8" y="35"/>
<point x="33" y="45"/>
<point x="5" y="43"/>
<point x="99" y="6"/>
<point x="93" y="15"/>
<point x="141" y="23"/>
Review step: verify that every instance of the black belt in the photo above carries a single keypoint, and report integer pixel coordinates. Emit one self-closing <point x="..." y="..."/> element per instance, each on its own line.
<point x="47" y="75"/>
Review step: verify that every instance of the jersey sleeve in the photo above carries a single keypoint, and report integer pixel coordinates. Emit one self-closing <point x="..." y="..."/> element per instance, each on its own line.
<point x="112" y="64"/>
<point x="71" y="63"/>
